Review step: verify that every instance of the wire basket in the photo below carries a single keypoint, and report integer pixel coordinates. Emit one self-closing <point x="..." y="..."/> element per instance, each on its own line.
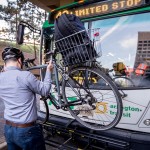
<point x="79" y="47"/>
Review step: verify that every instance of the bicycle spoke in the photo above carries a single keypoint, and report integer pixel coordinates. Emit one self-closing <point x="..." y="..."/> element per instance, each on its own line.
<point x="92" y="94"/>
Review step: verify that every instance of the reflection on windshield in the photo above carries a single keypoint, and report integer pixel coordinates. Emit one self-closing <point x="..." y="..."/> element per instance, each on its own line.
<point x="125" y="44"/>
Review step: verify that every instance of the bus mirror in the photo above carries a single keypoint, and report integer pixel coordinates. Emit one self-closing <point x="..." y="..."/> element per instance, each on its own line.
<point x="51" y="18"/>
<point x="20" y="33"/>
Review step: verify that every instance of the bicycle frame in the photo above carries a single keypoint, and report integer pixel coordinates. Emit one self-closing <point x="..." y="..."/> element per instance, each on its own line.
<point x="58" y="103"/>
<point x="57" y="68"/>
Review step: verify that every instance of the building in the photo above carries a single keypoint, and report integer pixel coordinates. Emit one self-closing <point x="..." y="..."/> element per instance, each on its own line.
<point x="143" y="49"/>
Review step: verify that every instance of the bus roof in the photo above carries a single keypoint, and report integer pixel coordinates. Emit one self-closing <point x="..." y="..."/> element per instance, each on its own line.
<point x="50" y="5"/>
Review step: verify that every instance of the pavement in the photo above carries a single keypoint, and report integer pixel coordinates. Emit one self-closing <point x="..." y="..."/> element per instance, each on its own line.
<point x="3" y="146"/>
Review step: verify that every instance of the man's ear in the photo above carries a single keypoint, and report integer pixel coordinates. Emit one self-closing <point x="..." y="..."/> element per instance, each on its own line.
<point x="19" y="60"/>
<point x="20" y="63"/>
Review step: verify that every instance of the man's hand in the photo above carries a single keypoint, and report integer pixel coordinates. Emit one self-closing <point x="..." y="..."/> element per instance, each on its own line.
<point x="50" y="66"/>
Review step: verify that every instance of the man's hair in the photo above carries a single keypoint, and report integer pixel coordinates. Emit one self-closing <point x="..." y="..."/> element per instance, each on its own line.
<point x="11" y="60"/>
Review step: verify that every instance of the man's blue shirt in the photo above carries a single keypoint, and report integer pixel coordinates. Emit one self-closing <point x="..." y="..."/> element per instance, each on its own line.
<point x="18" y="90"/>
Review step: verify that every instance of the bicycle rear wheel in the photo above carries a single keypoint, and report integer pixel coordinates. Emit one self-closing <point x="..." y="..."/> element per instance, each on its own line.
<point x="92" y="98"/>
<point x="43" y="117"/>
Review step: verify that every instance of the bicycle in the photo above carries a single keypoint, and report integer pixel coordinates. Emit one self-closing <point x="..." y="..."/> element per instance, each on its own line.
<point x="90" y="105"/>
<point x="121" y="79"/>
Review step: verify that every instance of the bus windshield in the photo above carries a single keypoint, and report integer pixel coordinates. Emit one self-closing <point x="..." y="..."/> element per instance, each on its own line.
<point x="126" y="40"/>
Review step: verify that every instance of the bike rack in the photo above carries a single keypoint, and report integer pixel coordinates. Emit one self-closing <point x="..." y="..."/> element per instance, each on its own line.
<point x="85" y="140"/>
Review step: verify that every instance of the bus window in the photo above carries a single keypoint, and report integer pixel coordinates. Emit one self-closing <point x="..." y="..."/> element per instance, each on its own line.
<point x="86" y="25"/>
<point x="125" y="39"/>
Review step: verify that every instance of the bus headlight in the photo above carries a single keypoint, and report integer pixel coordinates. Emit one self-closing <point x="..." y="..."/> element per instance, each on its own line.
<point x="147" y="122"/>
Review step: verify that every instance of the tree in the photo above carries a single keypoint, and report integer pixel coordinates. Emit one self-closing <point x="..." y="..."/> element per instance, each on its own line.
<point x="21" y="10"/>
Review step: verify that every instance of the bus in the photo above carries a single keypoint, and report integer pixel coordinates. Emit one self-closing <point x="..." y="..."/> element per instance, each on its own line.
<point x="125" y="45"/>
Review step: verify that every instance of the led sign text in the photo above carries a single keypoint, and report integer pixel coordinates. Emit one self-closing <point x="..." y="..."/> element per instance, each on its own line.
<point x="101" y="8"/>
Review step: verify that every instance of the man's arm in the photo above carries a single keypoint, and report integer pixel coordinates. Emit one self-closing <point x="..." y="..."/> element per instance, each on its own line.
<point x="39" y="87"/>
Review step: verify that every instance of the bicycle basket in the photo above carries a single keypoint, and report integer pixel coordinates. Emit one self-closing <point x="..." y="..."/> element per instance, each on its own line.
<point x="79" y="47"/>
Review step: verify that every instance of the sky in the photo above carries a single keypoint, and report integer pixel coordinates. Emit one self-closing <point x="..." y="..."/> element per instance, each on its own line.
<point x="3" y="2"/>
<point x="2" y="22"/>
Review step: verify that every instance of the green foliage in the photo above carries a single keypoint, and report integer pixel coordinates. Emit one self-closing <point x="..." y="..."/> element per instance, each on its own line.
<point x="26" y="48"/>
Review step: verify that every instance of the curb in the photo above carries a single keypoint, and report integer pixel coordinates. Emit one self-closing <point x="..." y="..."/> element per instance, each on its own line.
<point x="3" y="146"/>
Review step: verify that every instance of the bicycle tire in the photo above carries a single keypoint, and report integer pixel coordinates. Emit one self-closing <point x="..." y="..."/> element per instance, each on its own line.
<point x="45" y="115"/>
<point x="123" y="82"/>
<point x="89" y="123"/>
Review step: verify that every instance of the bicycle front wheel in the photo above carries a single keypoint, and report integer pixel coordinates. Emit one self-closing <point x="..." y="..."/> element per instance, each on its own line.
<point x="92" y="98"/>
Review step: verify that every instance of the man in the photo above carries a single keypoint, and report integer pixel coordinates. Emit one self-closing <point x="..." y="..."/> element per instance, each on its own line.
<point x="18" y="90"/>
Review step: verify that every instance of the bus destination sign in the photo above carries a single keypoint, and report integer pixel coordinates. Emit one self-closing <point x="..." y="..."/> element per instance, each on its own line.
<point x="101" y="8"/>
